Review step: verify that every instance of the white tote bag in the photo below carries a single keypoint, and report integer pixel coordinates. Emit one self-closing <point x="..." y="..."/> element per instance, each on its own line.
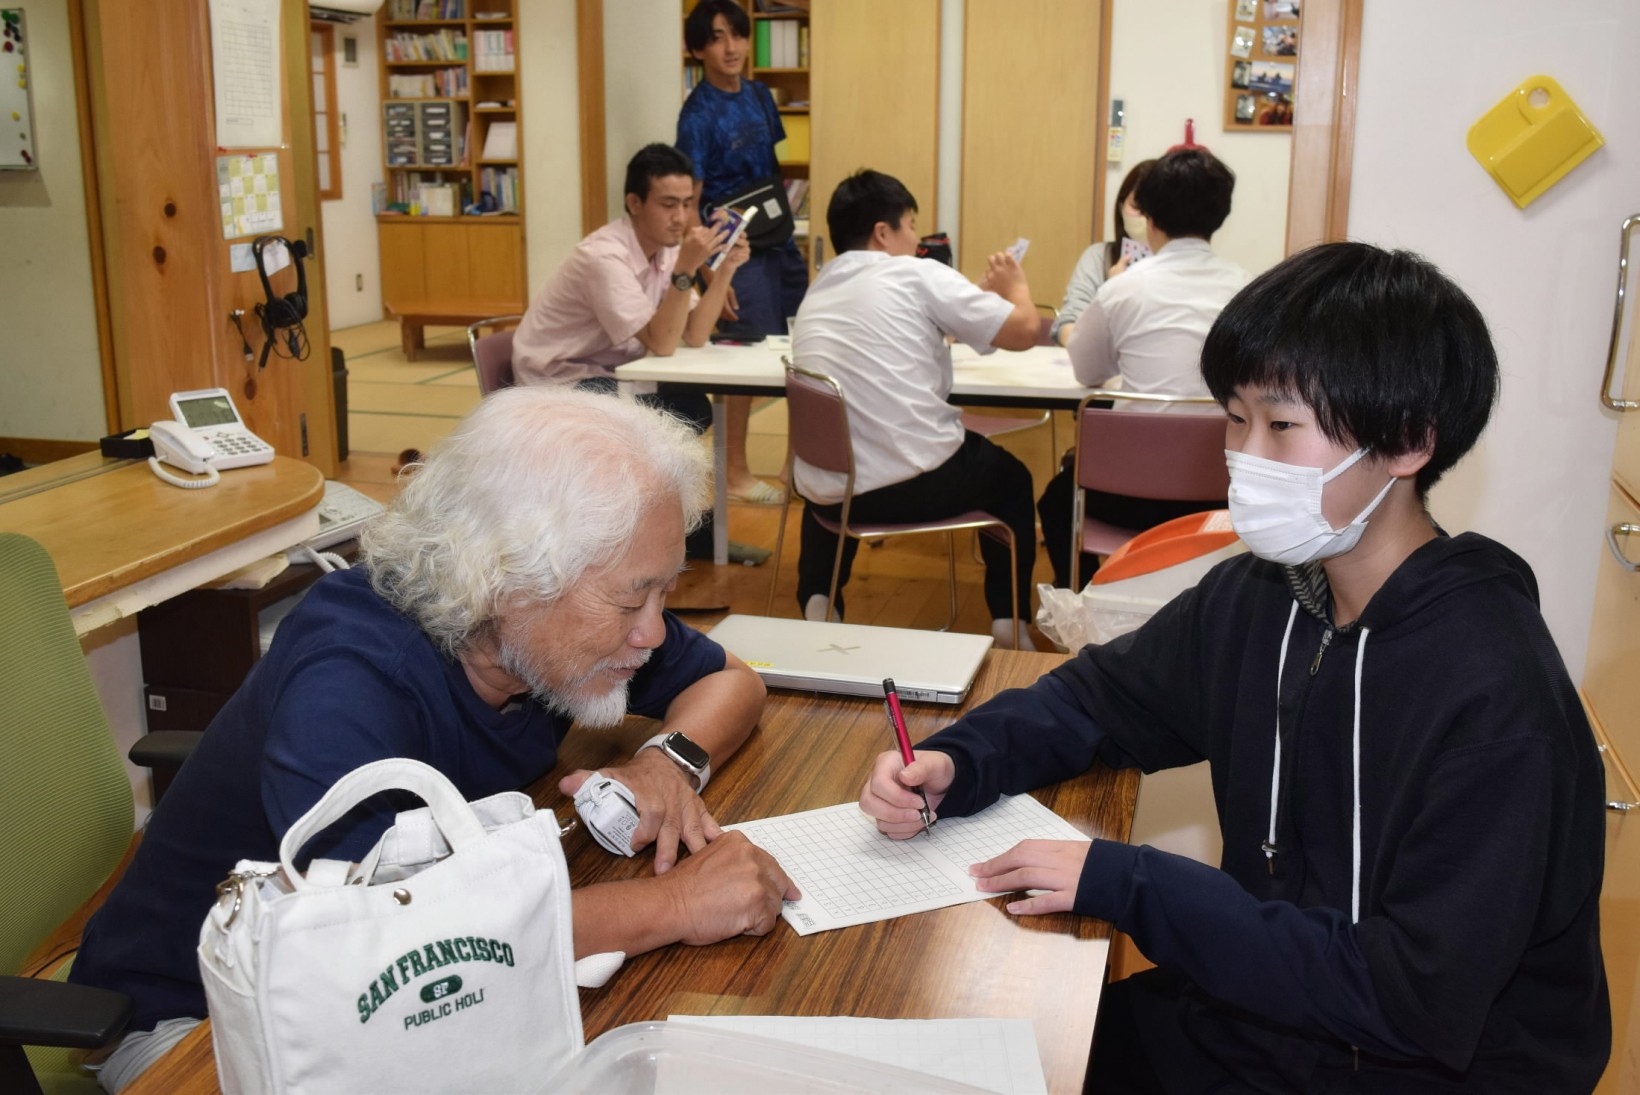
<point x="443" y="962"/>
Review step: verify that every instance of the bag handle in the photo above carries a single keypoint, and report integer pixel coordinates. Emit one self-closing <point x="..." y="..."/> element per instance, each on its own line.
<point x="451" y="813"/>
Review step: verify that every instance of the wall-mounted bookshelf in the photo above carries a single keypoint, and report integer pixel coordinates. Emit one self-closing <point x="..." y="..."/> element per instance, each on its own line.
<point x="452" y="224"/>
<point x="450" y="107"/>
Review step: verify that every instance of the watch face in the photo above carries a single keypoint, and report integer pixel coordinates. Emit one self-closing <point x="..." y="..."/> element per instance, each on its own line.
<point x="687" y="751"/>
<point x="681" y="281"/>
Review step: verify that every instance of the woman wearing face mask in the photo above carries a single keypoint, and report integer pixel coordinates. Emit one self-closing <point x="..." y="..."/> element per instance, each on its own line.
<point x="1408" y="789"/>
<point x="1102" y="260"/>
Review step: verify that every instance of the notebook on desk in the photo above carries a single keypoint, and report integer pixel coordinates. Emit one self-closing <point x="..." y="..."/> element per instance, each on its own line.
<point x="853" y="659"/>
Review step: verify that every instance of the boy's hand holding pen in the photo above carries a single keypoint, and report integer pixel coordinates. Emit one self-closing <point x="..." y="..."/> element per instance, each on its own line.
<point x="904" y="807"/>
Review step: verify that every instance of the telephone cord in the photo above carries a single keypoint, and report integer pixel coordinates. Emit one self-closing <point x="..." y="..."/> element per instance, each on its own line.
<point x="210" y="480"/>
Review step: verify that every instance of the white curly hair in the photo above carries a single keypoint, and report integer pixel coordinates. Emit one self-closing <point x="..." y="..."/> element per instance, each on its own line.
<point x="534" y="487"/>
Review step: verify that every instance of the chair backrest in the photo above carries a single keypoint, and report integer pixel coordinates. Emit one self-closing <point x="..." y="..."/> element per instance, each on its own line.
<point x="492" y="353"/>
<point x="817" y="421"/>
<point x="65" y="800"/>
<point x="1173" y="456"/>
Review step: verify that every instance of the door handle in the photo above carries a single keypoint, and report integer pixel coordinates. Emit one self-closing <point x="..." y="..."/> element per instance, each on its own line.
<point x="1624" y="529"/>
<point x="1606" y="398"/>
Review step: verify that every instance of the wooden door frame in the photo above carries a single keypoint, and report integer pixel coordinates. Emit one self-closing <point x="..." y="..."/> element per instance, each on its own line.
<point x="93" y="216"/>
<point x="589" y="64"/>
<point x="1318" y="182"/>
<point x="1329" y="65"/>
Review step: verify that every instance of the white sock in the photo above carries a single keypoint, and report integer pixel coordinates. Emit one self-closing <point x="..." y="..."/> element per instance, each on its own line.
<point x="1003" y="632"/>
<point x="815" y="609"/>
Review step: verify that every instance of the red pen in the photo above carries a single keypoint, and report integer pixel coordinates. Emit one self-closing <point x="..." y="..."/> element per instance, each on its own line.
<point x="891" y="700"/>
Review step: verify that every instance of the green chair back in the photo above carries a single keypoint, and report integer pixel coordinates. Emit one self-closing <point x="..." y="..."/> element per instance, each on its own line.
<point x="65" y="799"/>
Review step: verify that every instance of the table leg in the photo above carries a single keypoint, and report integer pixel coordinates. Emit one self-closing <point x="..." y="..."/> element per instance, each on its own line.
<point x="720" y="481"/>
<point x="409" y="336"/>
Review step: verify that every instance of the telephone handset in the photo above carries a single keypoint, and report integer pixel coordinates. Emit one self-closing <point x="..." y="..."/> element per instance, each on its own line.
<point x="177" y="445"/>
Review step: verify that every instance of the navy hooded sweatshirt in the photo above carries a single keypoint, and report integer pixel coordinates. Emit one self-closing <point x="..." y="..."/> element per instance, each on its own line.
<point x="1458" y="948"/>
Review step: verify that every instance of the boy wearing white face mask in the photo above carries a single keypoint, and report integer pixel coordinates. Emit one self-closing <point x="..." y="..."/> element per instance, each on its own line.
<point x="1408" y="790"/>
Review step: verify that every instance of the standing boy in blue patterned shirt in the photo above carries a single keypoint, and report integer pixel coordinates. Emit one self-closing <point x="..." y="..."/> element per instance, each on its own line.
<point x="729" y="127"/>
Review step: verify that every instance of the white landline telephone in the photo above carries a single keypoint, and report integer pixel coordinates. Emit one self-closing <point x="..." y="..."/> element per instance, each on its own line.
<point x="207" y="436"/>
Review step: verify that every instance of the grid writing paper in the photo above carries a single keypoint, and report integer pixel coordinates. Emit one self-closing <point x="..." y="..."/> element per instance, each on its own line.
<point x="850" y="873"/>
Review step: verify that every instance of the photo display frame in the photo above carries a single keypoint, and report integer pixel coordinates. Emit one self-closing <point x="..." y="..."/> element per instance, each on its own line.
<point x="1261" y="64"/>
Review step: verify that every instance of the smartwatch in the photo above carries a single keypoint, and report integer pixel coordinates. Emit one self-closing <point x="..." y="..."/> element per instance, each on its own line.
<point x="685" y="754"/>
<point x="683" y="283"/>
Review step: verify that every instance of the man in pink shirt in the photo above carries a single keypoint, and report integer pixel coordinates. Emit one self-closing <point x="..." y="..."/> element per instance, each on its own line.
<point x="628" y="288"/>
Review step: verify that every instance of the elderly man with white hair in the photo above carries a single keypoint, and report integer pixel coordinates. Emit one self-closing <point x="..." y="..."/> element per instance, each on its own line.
<point x="516" y="586"/>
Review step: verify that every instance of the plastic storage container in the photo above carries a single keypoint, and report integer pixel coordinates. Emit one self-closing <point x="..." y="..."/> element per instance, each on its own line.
<point x="681" y="1059"/>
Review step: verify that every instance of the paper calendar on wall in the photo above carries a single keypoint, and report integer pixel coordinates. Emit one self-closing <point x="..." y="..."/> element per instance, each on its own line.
<point x="16" y="113"/>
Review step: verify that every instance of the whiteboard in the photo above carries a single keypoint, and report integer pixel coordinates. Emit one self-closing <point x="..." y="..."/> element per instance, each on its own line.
<point x="16" y="108"/>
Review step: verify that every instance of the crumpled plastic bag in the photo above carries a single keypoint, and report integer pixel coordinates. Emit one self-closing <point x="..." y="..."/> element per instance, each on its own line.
<point x="1099" y="613"/>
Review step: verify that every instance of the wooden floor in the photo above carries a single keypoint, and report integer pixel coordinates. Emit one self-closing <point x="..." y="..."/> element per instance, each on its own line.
<point x="395" y="405"/>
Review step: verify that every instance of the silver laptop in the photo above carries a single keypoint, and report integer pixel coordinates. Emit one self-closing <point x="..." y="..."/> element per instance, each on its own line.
<point x="853" y="659"/>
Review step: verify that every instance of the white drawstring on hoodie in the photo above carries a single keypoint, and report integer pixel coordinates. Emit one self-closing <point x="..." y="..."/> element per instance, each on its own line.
<point x="1355" y="766"/>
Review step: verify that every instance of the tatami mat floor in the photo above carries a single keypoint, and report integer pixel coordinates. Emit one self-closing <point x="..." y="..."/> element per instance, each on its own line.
<point x="394" y="404"/>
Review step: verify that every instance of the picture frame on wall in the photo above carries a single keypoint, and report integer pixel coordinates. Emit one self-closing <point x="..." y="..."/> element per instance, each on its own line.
<point x="1246" y="10"/>
<point x="1280" y="40"/>
<point x="1261" y="70"/>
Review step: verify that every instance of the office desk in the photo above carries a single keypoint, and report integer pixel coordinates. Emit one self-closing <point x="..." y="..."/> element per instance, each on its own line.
<point x="123" y="540"/>
<point x="966" y="961"/>
<point x="1040" y="377"/>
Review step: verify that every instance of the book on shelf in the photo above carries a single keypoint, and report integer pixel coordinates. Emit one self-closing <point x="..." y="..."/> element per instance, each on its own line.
<point x="501" y="141"/>
<point x="797" y="197"/>
<point x="501" y="183"/>
<point x="795" y="148"/>
<point x="492" y="51"/>
<point x="443" y="45"/>
<point x="447" y="83"/>
<point x="440" y="200"/>
<point x="427" y="9"/>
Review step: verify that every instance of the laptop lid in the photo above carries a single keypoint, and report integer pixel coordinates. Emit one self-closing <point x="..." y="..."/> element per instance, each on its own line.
<point x="853" y="659"/>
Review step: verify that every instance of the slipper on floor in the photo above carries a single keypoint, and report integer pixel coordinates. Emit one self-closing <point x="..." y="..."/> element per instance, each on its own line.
<point x="761" y="495"/>
<point x="407" y="458"/>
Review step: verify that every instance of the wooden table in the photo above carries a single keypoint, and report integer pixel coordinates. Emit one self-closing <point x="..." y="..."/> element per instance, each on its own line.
<point x="970" y="960"/>
<point x="123" y="540"/>
<point x="416" y="315"/>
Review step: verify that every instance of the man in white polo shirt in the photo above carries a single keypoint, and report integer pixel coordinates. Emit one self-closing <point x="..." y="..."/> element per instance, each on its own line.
<point x="628" y="288"/>
<point x="876" y="321"/>
<point x="1147" y="327"/>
